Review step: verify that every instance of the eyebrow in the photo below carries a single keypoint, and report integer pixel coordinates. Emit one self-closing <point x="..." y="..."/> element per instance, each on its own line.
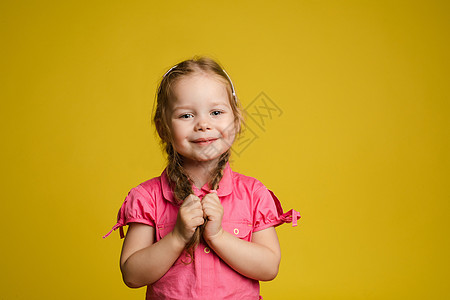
<point x="180" y="107"/>
<point x="215" y="103"/>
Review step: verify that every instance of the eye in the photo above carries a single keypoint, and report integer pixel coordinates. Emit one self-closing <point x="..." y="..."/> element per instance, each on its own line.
<point x="186" y="116"/>
<point x="216" y="112"/>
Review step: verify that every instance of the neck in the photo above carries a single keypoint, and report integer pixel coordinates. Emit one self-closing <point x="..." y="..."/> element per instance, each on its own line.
<point x="200" y="171"/>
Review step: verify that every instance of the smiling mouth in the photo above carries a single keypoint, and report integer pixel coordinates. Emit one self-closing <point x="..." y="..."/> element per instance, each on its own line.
<point x="204" y="141"/>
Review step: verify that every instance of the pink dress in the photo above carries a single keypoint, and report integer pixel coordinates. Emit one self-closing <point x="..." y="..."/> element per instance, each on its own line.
<point x="248" y="207"/>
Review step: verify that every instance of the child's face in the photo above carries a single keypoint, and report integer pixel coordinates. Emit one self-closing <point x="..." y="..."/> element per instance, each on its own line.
<point x="200" y="118"/>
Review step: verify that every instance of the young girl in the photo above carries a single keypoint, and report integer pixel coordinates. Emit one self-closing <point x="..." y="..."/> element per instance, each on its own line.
<point x="200" y="230"/>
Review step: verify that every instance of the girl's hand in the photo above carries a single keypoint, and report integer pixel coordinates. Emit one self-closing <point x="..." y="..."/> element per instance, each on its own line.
<point x="190" y="216"/>
<point x="213" y="211"/>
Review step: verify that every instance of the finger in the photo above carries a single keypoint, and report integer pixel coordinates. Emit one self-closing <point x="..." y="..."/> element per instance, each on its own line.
<point x="196" y="211"/>
<point x="206" y="213"/>
<point x="205" y="205"/>
<point x="211" y="203"/>
<point x="187" y="201"/>
<point x="198" y="221"/>
<point x="188" y="213"/>
<point x="190" y="199"/>
<point x="212" y="212"/>
<point x="212" y="197"/>
<point x="213" y="193"/>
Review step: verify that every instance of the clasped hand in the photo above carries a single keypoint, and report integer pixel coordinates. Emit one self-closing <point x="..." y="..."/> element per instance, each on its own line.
<point x="194" y="211"/>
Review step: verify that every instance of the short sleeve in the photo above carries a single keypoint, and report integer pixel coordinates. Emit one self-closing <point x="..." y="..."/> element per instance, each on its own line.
<point x="268" y="211"/>
<point x="137" y="207"/>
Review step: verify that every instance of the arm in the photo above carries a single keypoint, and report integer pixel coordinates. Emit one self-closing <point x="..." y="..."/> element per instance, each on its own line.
<point x="258" y="259"/>
<point x="143" y="261"/>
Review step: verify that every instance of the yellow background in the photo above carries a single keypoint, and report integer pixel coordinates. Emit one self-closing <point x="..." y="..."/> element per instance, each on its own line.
<point x="361" y="149"/>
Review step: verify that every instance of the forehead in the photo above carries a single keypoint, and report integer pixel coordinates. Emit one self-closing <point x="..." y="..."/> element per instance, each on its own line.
<point x="200" y="86"/>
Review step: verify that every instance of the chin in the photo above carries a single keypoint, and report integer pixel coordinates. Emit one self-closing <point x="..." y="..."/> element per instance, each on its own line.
<point x="206" y="159"/>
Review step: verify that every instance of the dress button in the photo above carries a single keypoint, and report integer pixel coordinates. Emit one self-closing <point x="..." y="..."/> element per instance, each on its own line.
<point x="207" y="250"/>
<point x="236" y="231"/>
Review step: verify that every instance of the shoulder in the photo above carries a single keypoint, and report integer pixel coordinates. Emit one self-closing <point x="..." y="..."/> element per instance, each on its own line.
<point x="148" y="189"/>
<point x="155" y="182"/>
<point x="244" y="182"/>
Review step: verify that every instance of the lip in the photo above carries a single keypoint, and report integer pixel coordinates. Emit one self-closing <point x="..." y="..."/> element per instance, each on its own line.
<point x="204" y="141"/>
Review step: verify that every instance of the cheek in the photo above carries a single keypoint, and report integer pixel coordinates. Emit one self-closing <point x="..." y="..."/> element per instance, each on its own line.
<point x="179" y="131"/>
<point x="230" y="133"/>
<point x="232" y="137"/>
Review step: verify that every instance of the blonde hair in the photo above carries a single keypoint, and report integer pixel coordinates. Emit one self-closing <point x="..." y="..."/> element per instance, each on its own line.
<point x="180" y="182"/>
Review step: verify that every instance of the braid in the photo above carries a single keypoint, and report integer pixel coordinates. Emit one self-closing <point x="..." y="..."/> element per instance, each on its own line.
<point x="180" y="181"/>
<point x="182" y="187"/>
<point x="214" y="184"/>
<point x="218" y="172"/>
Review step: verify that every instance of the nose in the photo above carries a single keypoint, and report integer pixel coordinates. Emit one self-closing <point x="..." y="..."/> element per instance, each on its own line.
<point x="202" y="124"/>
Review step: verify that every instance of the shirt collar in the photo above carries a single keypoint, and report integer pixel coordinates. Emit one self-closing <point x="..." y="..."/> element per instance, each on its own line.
<point x="225" y="185"/>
